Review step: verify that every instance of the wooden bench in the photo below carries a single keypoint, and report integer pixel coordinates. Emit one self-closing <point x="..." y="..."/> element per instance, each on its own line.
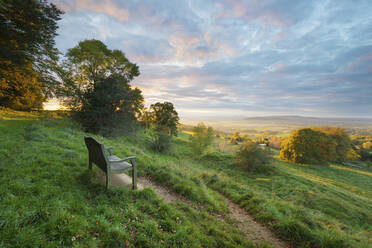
<point x="109" y="163"/>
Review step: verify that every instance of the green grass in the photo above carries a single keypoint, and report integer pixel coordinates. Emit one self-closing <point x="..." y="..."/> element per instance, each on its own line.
<point x="48" y="198"/>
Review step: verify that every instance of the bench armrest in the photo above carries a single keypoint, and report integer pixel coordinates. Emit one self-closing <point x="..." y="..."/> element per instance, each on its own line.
<point x="123" y="160"/>
<point x="109" y="150"/>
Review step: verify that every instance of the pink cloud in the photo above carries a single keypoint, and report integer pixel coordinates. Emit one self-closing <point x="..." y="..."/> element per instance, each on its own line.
<point x="363" y="61"/>
<point x="255" y="10"/>
<point x="104" y="6"/>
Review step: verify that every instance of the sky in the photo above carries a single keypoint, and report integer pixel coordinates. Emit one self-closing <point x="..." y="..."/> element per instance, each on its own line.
<point x="233" y="58"/>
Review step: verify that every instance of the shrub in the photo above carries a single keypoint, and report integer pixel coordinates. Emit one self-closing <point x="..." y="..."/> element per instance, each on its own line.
<point x="275" y="142"/>
<point x="201" y="139"/>
<point x="353" y="155"/>
<point x="368" y="164"/>
<point x="235" y="138"/>
<point x="251" y="156"/>
<point x="159" y="141"/>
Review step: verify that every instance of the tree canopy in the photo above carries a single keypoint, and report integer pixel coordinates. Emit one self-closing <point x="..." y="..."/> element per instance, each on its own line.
<point x="201" y="139"/>
<point x="95" y="87"/>
<point x="341" y="140"/>
<point x="316" y="145"/>
<point x="164" y="116"/>
<point x="21" y="89"/>
<point x="27" y="32"/>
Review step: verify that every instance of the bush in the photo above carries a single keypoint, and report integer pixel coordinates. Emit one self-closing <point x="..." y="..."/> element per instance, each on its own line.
<point x="251" y="156"/>
<point x="368" y="164"/>
<point x="275" y="142"/>
<point x="235" y="138"/>
<point x="201" y="139"/>
<point x="159" y="141"/>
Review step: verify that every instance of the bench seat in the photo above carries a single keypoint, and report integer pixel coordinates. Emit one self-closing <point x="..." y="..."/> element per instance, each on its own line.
<point x="117" y="166"/>
<point x="109" y="163"/>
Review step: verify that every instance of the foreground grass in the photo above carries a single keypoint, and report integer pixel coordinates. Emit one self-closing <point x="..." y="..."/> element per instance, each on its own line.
<point x="49" y="199"/>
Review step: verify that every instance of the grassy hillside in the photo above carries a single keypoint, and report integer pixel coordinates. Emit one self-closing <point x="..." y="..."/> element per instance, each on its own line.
<point x="49" y="199"/>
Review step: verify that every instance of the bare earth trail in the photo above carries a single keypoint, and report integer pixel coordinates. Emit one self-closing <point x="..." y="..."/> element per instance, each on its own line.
<point x="253" y="230"/>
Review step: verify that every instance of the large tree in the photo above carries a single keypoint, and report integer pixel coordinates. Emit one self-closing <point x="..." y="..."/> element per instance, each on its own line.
<point x="27" y="31"/>
<point x="165" y="117"/>
<point x="95" y="87"/>
<point x="308" y="146"/>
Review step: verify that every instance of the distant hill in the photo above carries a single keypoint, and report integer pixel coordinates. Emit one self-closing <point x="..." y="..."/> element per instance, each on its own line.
<point x="311" y="121"/>
<point x="286" y="123"/>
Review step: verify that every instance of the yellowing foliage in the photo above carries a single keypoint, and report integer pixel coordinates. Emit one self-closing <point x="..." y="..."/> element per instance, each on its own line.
<point x="315" y="145"/>
<point x="20" y="88"/>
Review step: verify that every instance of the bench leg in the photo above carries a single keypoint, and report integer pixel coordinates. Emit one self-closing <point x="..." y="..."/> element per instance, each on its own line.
<point x="90" y="165"/>
<point x="108" y="180"/>
<point x="134" y="175"/>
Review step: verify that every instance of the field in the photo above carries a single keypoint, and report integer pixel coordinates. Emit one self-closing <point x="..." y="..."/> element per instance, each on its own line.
<point x="49" y="199"/>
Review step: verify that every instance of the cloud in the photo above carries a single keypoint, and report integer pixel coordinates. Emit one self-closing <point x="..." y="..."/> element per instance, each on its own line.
<point x="235" y="56"/>
<point x="108" y="7"/>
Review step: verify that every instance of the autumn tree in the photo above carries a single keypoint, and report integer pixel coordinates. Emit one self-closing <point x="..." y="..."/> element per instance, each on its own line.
<point x="308" y="146"/>
<point x="367" y="145"/>
<point x="21" y="89"/>
<point x="95" y="87"/>
<point x="27" y="52"/>
<point x="275" y="142"/>
<point x="340" y="138"/>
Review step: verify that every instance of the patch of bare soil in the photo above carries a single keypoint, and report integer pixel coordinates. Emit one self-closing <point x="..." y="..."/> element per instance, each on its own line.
<point x="253" y="230"/>
<point x="163" y="192"/>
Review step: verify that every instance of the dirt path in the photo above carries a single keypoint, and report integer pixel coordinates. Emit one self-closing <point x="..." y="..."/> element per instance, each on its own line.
<point x="253" y="230"/>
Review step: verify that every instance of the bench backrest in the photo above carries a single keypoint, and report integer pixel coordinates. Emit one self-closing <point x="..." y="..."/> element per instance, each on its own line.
<point x="96" y="153"/>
